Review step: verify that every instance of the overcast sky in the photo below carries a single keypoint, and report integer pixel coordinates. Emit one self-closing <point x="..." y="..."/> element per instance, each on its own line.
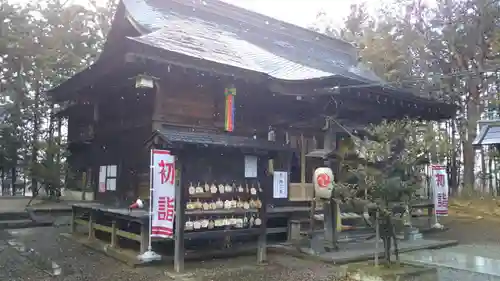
<point x="300" y="12"/>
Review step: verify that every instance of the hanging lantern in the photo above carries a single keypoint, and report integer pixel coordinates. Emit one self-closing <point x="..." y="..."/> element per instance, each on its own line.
<point x="229" y="94"/>
<point x="144" y="81"/>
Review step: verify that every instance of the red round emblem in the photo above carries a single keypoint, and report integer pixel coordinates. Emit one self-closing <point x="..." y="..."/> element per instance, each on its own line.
<point x="323" y="180"/>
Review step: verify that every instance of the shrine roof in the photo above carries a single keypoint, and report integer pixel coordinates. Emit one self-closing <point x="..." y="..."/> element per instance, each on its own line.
<point x="211" y="35"/>
<point x="175" y="137"/>
<point x="225" y="34"/>
<point x="489" y="133"/>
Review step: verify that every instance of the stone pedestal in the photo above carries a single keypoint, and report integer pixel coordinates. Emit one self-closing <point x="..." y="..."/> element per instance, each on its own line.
<point x="412" y="233"/>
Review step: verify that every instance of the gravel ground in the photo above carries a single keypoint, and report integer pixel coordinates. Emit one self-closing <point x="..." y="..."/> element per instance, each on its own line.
<point x="14" y="267"/>
<point x="280" y="267"/>
<point x="28" y="255"/>
<point x="470" y="229"/>
<point x="80" y="263"/>
<point x="42" y="246"/>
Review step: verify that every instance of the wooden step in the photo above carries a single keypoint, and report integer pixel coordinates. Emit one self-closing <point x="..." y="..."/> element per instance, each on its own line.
<point x="23" y="223"/>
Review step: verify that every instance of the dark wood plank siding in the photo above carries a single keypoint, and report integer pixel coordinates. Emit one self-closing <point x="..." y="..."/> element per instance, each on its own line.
<point x="184" y="104"/>
<point x="120" y="118"/>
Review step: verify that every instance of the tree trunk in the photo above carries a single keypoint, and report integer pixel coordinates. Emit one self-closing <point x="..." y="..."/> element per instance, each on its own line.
<point x="433" y="148"/>
<point x="483" y="171"/>
<point x="453" y="160"/>
<point x="468" y="150"/>
<point x="497" y="181"/>
<point x="34" y="149"/>
<point x="50" y="153"/>
<point x="13" y="176"/>
<point x="490" y="172"/>
<point x="2" y="178"/>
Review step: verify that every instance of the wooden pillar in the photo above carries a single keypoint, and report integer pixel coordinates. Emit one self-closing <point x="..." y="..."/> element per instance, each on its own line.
<point x="73" y="218"/>
<point x="329" y="139"/>
<point x="144" y="237"/>
<point x="267" y="195"/>
<point x="262" y="242"/>
<point x="312" y="197"/>
<point x="157" y="110"/>
<point x="303" y="168"/>
<point x="114" y="241"/>
<point x="302" y="161"/>
<point x="180" y="203"/>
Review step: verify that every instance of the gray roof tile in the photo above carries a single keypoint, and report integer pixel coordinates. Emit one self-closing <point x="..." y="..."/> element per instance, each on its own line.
<point x="219" y="140"/>
<point x="489" y="134"/>
<point x="199" y="33"/>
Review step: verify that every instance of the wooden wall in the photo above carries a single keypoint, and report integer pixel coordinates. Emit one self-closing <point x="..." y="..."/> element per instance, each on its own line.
<point x="198" y="102"/>
<point x="126" y="117"/>
<point x="121" y="123"/>
<point x="181" y="103"/>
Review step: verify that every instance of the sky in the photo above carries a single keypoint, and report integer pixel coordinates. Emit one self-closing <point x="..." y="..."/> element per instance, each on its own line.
<point x="300" y="12"/>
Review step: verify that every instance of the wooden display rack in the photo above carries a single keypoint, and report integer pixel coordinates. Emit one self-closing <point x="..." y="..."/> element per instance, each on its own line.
<point x="214" y="197"/>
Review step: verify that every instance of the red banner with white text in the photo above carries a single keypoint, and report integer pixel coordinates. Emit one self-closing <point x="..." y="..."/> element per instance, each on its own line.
<point x="163" y="183"/>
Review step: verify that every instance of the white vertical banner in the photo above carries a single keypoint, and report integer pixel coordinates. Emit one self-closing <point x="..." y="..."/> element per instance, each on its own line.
<point x="163" y="199"/>
<point x="280" y="184"/>
<point x="251" y="166"/>
<point x="102" y="179"/>
<point x="439" y="183"/>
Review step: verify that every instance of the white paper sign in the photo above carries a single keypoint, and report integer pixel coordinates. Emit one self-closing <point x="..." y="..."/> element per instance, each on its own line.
<point x="107" y="178"/>
<point x="111" y="184"/>
<point x="163" y="202"/>
<point x="111" y="171"/>
<point x="439" y="183"/>
<point x="280" y="184"/>
<point x="250" y="166"/>
<point x="102" y="179"/>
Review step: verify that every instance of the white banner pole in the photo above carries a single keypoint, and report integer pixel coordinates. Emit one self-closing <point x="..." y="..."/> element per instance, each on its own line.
<point x="435" y="192"/>
<point x="149" y="255"/>
<point x="151" y="187"/>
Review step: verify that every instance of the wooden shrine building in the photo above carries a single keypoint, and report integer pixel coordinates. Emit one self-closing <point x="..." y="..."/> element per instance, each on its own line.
<point x="217" y="86"/>
<point x="285" y="78"/>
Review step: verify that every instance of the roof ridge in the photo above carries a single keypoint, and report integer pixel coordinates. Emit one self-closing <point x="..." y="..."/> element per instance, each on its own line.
<point x="264" y="22"/>
<point x="278" y="21"/>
